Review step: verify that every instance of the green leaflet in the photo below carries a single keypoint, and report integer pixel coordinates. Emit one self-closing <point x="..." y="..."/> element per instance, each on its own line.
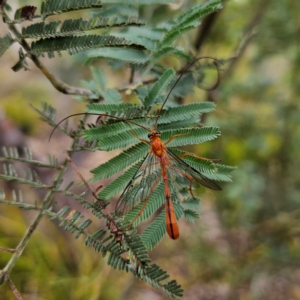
<point x="189" y="20"/>
<point x="129" y="55"/>
<point x="111" y="96"/>
<point x="154" y="274"/>
<point x="99" y="77"/>
<point x="5" y="43"/>
<point x="184" y="112"/>
<point x="192" y="203"/>
<point x="173" y="35"/>
<point x="147" y="32"/>
<point x="75" y="44"/>
<point x="139" y="40"/>
<point x="12" y="154"/>
<point x="156" y="200"/>
<point x="54" y="7"/>
<point x="164" y="51"/>
<point x="137" y="247"/>
<point x="153" y="234"/>
<point x="120" y="162"/>
<point x="141" y="2"/>
<point x="72" y="27"/>
<point x="117" y="141"/>
<point x="101" y="132"/>
<point x="99" y="108"/>
<point x="118" y="184"/>
<point x="41" y="29"/>
<point x="214" y="171"/>
<point x="191" y="136"/>
<point x="155" y="231"/>
<point x="191" y="215"/>
<point x="124" y="137"/>
<point x="159" y="86"/>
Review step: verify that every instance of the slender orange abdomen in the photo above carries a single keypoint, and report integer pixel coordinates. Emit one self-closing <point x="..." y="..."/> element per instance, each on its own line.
<point x="171" y="221"/>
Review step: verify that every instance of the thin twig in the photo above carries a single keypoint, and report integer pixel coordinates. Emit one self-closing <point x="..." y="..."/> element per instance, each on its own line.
<point x="33" y="162"/>
<point x="13" y="287"/>
<point x="111" y="223"/>
<point x="101" y="202"/>
<point x="8" y="250"/>
<point x="45" y="204"/>
<point x="57" y="83"/>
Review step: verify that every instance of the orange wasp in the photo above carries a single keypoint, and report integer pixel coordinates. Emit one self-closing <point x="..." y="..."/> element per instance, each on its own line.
<point x="161" y="161"/>
<point x="168" y="162"/>
<point x="160" y="164"/>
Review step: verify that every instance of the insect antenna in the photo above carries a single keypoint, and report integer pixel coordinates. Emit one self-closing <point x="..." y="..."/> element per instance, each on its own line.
<point x="95" y="114"/>
<point x="180" y="76"/>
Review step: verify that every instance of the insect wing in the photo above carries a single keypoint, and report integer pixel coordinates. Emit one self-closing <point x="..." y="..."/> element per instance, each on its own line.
<point x="140" y="186"/>
<point x="196" y="178"/>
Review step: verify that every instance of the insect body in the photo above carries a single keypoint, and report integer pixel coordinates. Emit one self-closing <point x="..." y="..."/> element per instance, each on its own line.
<point x="160" y="151"/>
<point x="161" y="161"/>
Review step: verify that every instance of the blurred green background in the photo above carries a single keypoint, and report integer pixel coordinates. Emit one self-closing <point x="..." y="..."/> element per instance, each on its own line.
<point x="246" y="244"/>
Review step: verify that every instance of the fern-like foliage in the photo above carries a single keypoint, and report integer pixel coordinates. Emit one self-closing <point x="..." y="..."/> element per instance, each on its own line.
<point x="54" y="7"/>
<point x="5" y="43"/>
<point x="72" y="27"/>
<point x="29" y="177"/>
<point x="77" y="44"/>
<point x="159" y="87"/>
<point x="56" y="36"/>
<point x="188" y="21"/>
<point x="101" y="240"/>
<point x="134" y="56"/>
<point x="159" y="40"/>
<point x="12" y="154"/>
<point x="122" y="133"/>
<point x="121" y="126"/>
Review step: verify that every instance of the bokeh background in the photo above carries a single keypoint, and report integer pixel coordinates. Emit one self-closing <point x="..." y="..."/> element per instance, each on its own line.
<point x="246" y="244"/>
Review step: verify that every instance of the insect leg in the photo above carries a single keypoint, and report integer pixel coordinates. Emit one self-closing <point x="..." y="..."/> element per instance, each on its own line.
<point x="174" y="136"/>
<point x="135" y="134"/>
<point x="199" y="157"/>
<point x="190" y="178"/>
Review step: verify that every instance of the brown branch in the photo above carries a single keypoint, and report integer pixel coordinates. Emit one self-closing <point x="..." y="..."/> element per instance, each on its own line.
<point x="13" y="287"/>
<point x="57" y="83"/>
<point x="101" y="202"/>
<point x="111" y="223"/>
<point x="8" y="250"/>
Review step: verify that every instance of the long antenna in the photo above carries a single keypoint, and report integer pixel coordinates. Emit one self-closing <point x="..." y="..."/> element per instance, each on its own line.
<point x="183" y="72"/>
<point x="94" y="114"/>
<point x="160" y="110"/>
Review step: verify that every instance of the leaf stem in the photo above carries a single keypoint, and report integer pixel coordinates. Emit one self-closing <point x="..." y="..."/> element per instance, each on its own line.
<point x="47" y="201"/>
<point x="13" y="287"/>
<point x="57" y="83"/>
<point x="8" y="250"/>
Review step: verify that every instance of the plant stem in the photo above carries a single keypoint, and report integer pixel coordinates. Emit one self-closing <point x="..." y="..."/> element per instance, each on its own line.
<point x="57" y="83"/>
<point x="47" y="201"/>
<point x="13" y="287"/>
